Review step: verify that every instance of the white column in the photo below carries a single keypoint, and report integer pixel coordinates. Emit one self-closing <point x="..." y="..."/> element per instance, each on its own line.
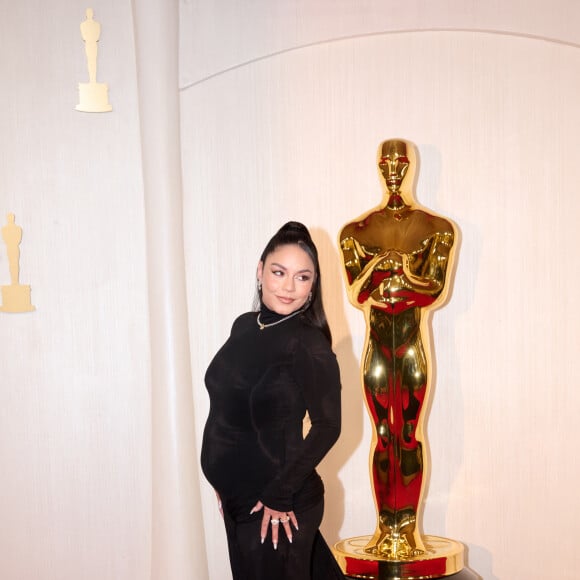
<point x="178" y="546"/>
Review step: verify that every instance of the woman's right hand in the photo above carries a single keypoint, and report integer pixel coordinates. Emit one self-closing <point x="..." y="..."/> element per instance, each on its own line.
<point x="275" y="519"/>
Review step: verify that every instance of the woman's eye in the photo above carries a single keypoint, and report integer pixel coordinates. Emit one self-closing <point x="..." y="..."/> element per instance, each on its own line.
<point x="277" y="272"/>
<point x="304" y="278"/>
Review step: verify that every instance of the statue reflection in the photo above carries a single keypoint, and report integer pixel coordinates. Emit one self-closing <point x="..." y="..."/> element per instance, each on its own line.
<point x="395" y="258"/>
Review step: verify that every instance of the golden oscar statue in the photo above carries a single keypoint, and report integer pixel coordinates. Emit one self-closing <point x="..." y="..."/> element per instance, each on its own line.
<point x="16" y="296"/>
<point x="396" y="261"/>
<point x="93" y="96"/>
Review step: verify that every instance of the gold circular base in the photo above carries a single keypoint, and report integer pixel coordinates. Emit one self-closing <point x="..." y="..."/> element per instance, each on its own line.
<point x="442" y="557"/>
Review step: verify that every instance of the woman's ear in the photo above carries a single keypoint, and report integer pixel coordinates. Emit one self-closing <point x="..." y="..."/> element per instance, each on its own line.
<point x="260" y="271"/>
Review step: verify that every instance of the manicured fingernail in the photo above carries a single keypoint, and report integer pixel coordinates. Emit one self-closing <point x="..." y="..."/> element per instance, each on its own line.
<point x="290" y="539"/>
<point x="252" y="511"/>
<point x="275" y="545"/>
<point x="262" y="540"/>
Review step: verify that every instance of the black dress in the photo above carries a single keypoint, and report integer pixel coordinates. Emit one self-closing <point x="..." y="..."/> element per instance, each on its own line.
<point x="261" y="383"/>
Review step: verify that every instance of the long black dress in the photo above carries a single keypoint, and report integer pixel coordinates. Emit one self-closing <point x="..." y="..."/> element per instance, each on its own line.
<point x="261" y="383"/>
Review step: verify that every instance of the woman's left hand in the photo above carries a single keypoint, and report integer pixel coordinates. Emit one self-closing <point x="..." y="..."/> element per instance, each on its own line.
<point x="275" y="519"/>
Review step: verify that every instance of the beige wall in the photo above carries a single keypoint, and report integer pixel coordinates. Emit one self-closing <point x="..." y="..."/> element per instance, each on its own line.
<point x="283" y="106"/>
<point x="74" y="378"/>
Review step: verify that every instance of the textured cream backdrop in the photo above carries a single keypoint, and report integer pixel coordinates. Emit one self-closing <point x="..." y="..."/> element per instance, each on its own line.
<point x="283" y="106"/>
<point x="281" y="122"/>
<point x="74" y="389"/>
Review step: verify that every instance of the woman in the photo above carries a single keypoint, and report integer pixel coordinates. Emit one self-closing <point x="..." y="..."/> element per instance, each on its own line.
<point x="276" y="365"/>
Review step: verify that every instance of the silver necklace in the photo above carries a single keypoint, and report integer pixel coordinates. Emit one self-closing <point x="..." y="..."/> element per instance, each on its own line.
<point x="262" y="325"/>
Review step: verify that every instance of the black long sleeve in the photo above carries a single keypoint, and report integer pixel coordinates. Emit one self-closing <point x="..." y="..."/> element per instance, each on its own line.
<point x="315" y="371"/>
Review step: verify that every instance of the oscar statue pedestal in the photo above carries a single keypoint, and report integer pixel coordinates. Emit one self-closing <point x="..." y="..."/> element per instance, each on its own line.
<point x="463" y="575"/>
<point x="442" y="558"/>
<point x="16" y="298"/>
<point x="94" y="98"/>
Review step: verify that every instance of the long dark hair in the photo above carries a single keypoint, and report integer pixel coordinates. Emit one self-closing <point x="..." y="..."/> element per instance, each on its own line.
<point x="296" y="233"/>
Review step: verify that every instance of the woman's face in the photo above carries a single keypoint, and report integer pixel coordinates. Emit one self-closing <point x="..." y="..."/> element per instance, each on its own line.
<point x="287" y="277"/>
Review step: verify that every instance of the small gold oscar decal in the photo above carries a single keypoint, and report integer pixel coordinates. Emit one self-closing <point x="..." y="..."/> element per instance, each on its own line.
<point x="16" y="297"/>
<point x="93" y="96"/>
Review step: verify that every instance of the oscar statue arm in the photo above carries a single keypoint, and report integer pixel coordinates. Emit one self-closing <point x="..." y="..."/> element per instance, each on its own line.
<point x="425" y="270"/>
<point x="359" y="265"/>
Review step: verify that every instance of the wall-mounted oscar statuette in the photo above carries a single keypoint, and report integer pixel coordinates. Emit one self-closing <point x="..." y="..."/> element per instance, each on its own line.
<point x="16" y="296"/>
<point x="93" y="96"/>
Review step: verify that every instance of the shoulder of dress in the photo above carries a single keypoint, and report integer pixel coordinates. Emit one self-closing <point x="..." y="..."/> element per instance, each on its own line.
<point x="244" y="320"/>
<point x="311" y="337"/>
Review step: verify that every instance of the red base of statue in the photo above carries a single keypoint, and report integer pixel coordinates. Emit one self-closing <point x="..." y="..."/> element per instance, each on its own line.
<point x="465" y="574"/>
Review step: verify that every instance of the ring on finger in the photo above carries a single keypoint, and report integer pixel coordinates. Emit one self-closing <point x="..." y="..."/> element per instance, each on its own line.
<point x="274" y="521"/>
<point x="284" y="520"/>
